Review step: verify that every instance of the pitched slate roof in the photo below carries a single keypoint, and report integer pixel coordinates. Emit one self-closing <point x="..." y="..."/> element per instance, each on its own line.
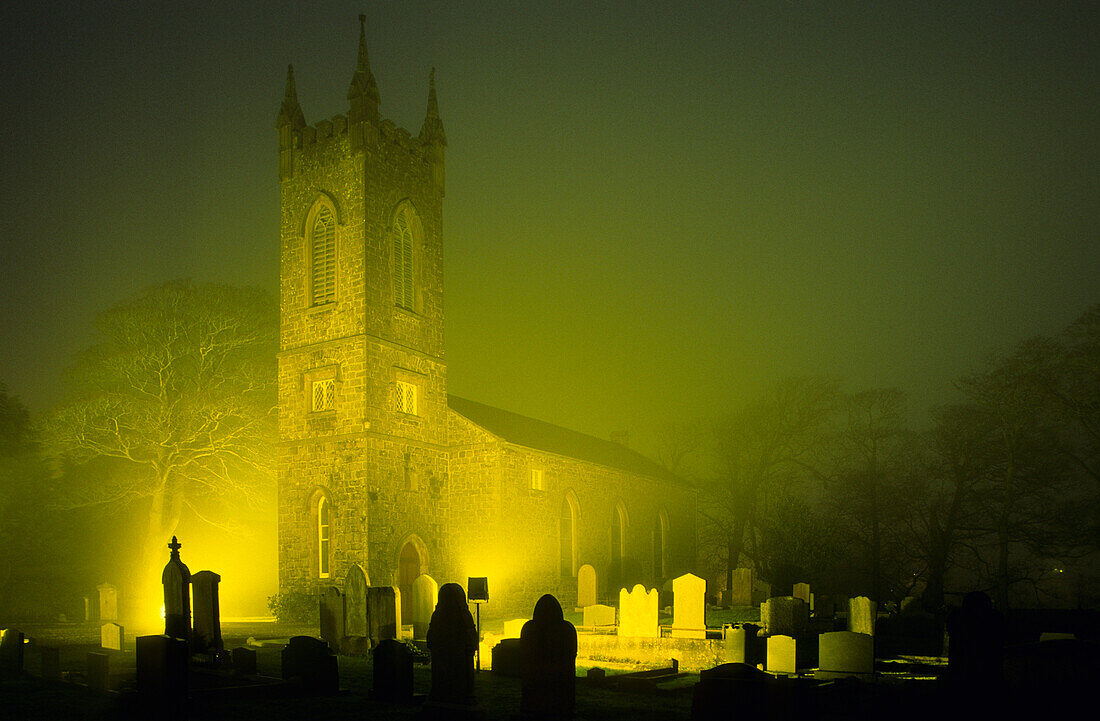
<point x="542" y="436"/>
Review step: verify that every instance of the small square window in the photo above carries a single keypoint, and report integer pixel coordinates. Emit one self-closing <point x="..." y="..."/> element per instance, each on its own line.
<point x="324" y="395"/>
<point x="538" y="482"/>
<point x="407" y="398"/>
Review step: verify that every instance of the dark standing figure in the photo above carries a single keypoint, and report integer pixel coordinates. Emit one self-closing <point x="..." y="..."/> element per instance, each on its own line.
<point x="548" y="659"/>
<point x="452" y="640"/>
<point x="177" y="595"/>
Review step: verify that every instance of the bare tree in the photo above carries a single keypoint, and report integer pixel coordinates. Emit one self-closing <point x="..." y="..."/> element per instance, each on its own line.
<point x="180" y="386"/>
<point x="761" y="450"/>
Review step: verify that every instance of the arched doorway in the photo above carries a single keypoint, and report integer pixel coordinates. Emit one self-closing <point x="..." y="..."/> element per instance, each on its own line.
<point x="408" y="568"/>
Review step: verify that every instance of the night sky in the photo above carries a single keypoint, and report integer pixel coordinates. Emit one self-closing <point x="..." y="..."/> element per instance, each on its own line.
<point x="651" y="212"/>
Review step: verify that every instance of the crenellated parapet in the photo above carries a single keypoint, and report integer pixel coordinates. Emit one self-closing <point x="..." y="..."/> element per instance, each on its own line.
<point x="362" y="128"/>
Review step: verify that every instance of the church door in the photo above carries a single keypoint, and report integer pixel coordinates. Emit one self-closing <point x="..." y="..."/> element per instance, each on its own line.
<point x="407" y="571"/>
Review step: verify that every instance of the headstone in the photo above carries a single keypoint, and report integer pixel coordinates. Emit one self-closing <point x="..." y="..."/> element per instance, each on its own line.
<point x="383" y="613"/>
<point x="845" y="653"/>
<point x="548" y="652"/>
<point x="393" y="671"/>
<point x="638" y="612"/>
<point x="452" y="640"/>
<point x="689" y="607"/>
<point x="784" y="616"/>
<point x="599" y="615"/>
<point x="802" y="590"/>
<point x="108" y="602"/>
<point x="425" y="592"/>
<point x="824" y="607"/>
<point x="586" y="586"/>
<point x="740" y="593"/>
<point x="111" y="636"/>
<point x="507" y="659"/>
<point x="781" y="655"/>
<point x="861" y="615"/>
<point x="975" y="655"/>
<point x="331" y="617"/>
<point x="741" y="645"/>
<point x="761" y="591"/>
<point x="207" y="633"/>
<point x="176" y="579"/>
<point x="731" y="690"/>
<point x="162" y="668"/>
<point x="11" y="652"/>
<point x="244" y="661"/>
<point x="356" y="584"/>
<point x="308" y="662"/>
<point x="99" y="671"/>
<point x="88" y="612"/>
<point x="514" y="627"/>
<point x="50" y="656"/>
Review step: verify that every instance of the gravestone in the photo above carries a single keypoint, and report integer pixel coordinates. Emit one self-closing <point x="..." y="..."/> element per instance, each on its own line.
<point x="743" y="645"/>
<point x="740" y="593"/>
<point x="784" y="616"/>
<point x="50" y="656"/>
<point x="425" y="592"/>
<point x="162" y="668"/>
<point x="845" y="653"/>
<point x="244" y="661"/>
<point x="383" y="613"/>
<point x="507" y="659"/>
<point x="176" y="579"/>
<point x="11" y="652"/>
<point x="861" y="615"/>
<point x="802" y="590"/>
<point x="824" y="607"/>
<point x="548" y="658"/>
<point x="207" y="632"/>
<point x="761" y="591"/>
<point x="599" y="615"/>
<point x="99" y="671"/>
<point x="514" y="627"/>
<point x="308" y="662"/>
<point x="638" y="612"/>
<point x="331" y="617"/>
<point x="89" y="614"/>
<point x="393" y="671"/>
<point x="356" y="584"/>
<point x="781" y="655"/>
<point x="111" y="636"/>
<point x="587" y="591"/>
<point x="108" y="602"/>
<point x="452" y="640"/>
<point x="976" y="637"/>
<point x="731" y="691"/>
<point x="689" y="607"/>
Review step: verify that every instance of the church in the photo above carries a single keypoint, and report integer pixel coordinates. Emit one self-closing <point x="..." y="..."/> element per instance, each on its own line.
<point x="377" y="464"/>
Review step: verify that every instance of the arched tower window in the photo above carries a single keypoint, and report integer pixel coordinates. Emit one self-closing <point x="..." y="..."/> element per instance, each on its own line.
<point x="567" y="536"/>
<point x="660" y="545"/>
<point x="404" y="245"/>
<point x="324" y="537"/>
<point x="322" y="238"/>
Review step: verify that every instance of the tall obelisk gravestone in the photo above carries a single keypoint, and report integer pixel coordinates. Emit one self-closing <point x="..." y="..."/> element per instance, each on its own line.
<point x="177" y="595"/>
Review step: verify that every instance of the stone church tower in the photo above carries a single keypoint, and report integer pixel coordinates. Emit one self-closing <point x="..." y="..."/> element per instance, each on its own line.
<point x="362" y="374"/>
<point x="377" y="465"/>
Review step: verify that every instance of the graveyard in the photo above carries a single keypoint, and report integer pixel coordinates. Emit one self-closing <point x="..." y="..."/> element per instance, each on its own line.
<point x="793" y="656"/>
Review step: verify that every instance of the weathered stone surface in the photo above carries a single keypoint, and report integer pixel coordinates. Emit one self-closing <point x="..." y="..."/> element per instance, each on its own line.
<point x="599" y="615"/>
<point x="862" y="613"/>
<point x="587" y="589"/>
<point x="425" y="592"/>
<point x="845" y="653"/>
<point x="689" y="607"/>
<point x="781" y="655"/>
<point x="638" y="612"/>
<point x="207" y="630"/>
<point x="111" y="636"/>
<point x="308" y="662"/>
<point x="355" y="602"/>
<point x="108" y="602"/>
<point x="784" y="615"/>
<point x="384" y="613"/>
<point x="741" y="588"/>
<point x="331" y="617"/>
<point x="802" y="591"/>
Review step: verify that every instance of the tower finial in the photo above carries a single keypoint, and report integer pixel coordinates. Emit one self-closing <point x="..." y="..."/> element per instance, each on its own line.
<point x="290" y="113"/>
<point x="432" y="129"/>
<point x="363" y="92"/>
